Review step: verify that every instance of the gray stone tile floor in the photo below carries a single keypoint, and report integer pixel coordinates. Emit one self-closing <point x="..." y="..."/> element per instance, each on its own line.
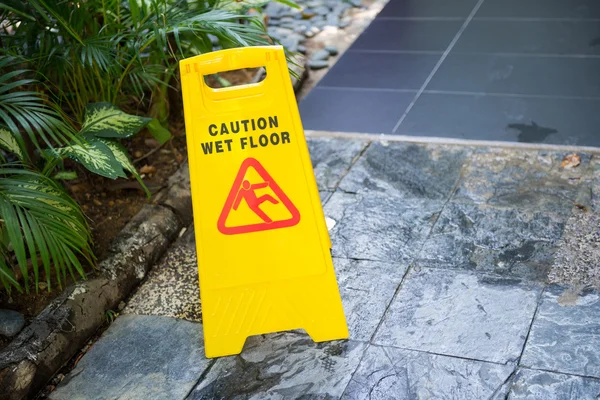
<point x="443" y="256"/>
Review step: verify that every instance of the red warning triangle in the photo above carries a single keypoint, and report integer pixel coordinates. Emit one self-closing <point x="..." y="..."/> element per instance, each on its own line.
<point x="244" y="191"/>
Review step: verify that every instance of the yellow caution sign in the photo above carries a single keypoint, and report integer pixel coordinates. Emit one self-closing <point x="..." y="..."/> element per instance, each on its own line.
<point x="263" y="248"/>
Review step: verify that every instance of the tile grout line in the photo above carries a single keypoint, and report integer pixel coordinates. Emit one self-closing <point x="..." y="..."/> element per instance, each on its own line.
<point x="509" y="381"/>
<point x="477" y="53"/>
<point x="478" y="273"/>
<point x="535" y="313"/>
<point x="439" y="63"/>
<point x="367" y="345"/>
<point x="352" y="164"/>
<point x="493" y="19"/>
<point x="432" y="353"/>
<point x="560" y="372"/>
<point x="354" y="161"/>
<point x="378" y="137"/>
<point x="200" y="379"/>
<point x="462" y="93"/>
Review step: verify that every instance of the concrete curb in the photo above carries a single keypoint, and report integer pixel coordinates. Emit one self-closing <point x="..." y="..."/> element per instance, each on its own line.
<point x="64" y="326"/>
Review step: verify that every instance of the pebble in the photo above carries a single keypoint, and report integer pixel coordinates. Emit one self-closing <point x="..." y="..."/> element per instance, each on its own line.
<point x="11" y="323"/>
<point x="308" y="13"/>
<point x="311" y="32"/>
<point x="213" y="39"/>
<point x="317" y="64"/>
<point x="290" y="26"/>
<point x="321" y="24"/>
<point x="290" y="43"/>
<point x="333" y="20"/>
<point x="296" y="14"/>
<point x="332" y="50"/>
<point x="274" y="9"/>
<point x="340" y="8"/>
<point x="320" y="56"/>
<point x="322" y="10"/>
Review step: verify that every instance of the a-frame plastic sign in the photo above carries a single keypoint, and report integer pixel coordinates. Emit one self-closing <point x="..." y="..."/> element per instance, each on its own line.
<point x="263" y="248"/>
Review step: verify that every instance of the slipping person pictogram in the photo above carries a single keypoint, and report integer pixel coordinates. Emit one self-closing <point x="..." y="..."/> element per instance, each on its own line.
<point x="243" y="190"/>
<point x="248" y="192"/>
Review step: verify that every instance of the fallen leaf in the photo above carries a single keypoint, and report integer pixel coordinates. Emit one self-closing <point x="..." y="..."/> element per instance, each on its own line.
<point x="147" y="169"/>
<point x="79" y="357"/>
<point x="79" y="187"/>
<point x="571" y="161"/>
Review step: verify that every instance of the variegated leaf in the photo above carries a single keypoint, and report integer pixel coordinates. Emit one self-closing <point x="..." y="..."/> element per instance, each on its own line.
<point x="65" y="175"/>
<point x="109" y="121"/>
<point x="95" y="156"/>
<point x="122" y="157"/>
<point x="120" y="154"/>
<point x="9" y="143"/>
<point x="237" y="6"/>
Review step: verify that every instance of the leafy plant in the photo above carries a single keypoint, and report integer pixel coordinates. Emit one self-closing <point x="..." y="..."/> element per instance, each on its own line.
<point x="40" y="224"/>
<point x="122" y="52"/>
<point x="110" y="316"/>
<point x="98" y="150"/>
<point x="65" y="65"/>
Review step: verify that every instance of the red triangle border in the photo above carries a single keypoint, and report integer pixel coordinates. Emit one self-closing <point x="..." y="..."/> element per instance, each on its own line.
<point x="252" y="162"/>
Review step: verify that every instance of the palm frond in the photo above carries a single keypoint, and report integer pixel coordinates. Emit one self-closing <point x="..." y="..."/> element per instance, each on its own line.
<point x="25" y="110"/>
<point x="43" y="226"/>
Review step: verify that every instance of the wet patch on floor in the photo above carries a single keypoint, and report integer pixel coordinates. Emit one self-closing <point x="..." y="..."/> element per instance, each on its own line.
<point x="282" y="366"/>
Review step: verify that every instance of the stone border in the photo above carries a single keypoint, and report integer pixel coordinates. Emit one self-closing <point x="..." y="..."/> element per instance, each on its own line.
<point x="385" y="137"/>
<point x="63" y="327"/>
